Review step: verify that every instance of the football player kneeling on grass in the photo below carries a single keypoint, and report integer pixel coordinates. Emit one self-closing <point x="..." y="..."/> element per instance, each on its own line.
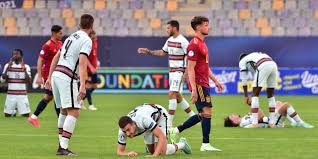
<point x="150" y="120"/>
<point x="282" y="111"/>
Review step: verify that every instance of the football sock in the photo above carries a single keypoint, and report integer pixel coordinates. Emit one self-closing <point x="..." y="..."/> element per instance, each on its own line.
<point x="171" y="112"/>
<point x="186" y="107"/>
<point x="293" y="114"/>
<point x="60" y="123"/>
<point x="206" y="128"/>
<point x="189" y="123"/>
<point x="41" y="106"/>
<point x="272" y="105"/>
<point x="254" y="110"/>
<point x="68" y="128"/>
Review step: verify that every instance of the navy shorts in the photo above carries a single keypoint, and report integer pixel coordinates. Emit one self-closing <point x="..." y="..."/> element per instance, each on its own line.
<point x="204" y="98"/>
<point x="92" y="78"/>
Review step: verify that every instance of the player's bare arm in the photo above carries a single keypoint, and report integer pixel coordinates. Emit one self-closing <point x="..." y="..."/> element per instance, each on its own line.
<point x="91" y="67"/>
<point x="82" y="73"/>
<point x="243" y="75"/>
<point x="191" y="74"/>
<point x="121" y="151"/>
<point x="161" y="146"/>
<point x="52" y="68"/>
<point x="39" y="80"/>
<point x="217" y="83"/>
<point x="151" y="52"/>
<point x="27" y="76"/>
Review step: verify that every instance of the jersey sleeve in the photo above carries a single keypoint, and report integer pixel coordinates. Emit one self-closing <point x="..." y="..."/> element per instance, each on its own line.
<point x="148" y="123"/>
<point x="165" y="47"/>
<point x="86" y="47"/>
<point x="185" y="45"/>
<point x="122" y="138"/>
<point x="193" y="52"/>
<point x="243" y="65"/>
<point x="28" y="70"/>
<point x="5" y="68"/>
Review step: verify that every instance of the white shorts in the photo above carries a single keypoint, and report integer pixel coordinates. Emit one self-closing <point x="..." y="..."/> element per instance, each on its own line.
<point x="149" y="138"/>
<point x="175" y="82"/>
<point x="65" y="94"/>
<point x="266" y="74"/>
<point x="279" y="120"/>
<point x="19" y="102"/>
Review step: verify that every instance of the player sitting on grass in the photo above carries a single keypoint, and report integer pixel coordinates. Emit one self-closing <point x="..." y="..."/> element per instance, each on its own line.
<point x="282" y="111"/>
<point x="150" y="120"/>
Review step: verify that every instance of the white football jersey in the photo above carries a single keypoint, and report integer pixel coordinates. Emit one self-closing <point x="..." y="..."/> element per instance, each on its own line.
<point x="76" y="44"/>
<point x="247" y="120"/>
<point x="146" y="117"/>
<point x="176" y="49"/>
<point x="248" y="62"/>
<point x="16" y="78"/>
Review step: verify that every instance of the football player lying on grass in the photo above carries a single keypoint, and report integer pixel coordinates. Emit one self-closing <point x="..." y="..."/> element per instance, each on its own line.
<point x="282" y="111"/>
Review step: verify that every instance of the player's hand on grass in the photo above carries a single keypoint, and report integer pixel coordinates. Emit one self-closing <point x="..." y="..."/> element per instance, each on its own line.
<point x="48" y="84"/>
<point x="132" y="154"/>
<point x="143" y="50"/>
<point x="248" y="100"/>
<point x="194" y="96"/>
<point x="82" y="92"/>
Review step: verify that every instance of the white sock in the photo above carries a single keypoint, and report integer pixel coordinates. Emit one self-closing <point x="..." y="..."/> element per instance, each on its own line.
<point x="255" y="104"/>
<point x="60" y="123"/>
<point x="271" y="105"/>
<point x="293" y="114"/>
<point x="34" y="116"/>
<point x="68" y="128"/>
<point x="176" y="130"/>
<point x="186" y="107"/>
<point x="171" y="149"/>
<point x="172" y="109"/>
<point x="291" y="120"/>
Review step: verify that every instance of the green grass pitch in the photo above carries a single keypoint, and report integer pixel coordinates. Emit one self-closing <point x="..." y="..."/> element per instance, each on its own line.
<point x="95" y="134"/>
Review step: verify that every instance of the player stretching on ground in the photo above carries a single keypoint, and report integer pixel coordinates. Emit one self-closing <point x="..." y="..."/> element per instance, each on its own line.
<point x="49" y="49"/>
<point x="199" y="73"/>
<point x="70" y="62"/>
<point x="150" y="120"/>
<point x="91" y="83"/>
<point x="176" y="48"/>
<point x="282" y="111"/>
<point x="17" y="74"/>
<point x="265" y="72"/>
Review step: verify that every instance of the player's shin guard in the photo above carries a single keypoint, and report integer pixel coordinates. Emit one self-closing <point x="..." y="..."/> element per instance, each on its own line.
<point x="293" y="114"/>
<point x="171" y="149"/>
<point x="172" y="109"/>
<point x="193" y="120"/>
<point x="206" y="129"/>
<point x="186" y="107"/>
<point x="254" y="110"/>
<point x="271" y="105"/>
<point x="60" y="123"/>
<point x="41" y="106"/>
<point x="68" y="128"/>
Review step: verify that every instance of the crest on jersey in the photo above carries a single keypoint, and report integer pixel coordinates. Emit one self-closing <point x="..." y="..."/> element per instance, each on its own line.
<point x="191" y="53"/>
<point x="42" y="52"/>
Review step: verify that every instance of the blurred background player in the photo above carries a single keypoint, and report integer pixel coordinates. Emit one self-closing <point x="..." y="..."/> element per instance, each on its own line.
<point x="199" y="74"/>
<point x="176" y="48"/>
<point x="264" y="70"/>
<point x="92" y="81"/>
<point x="282" y="111"/>
<point x="17" y="74"/>
<point x="69" y="65"/>
<point x="150" y="120"/>
<point x="49" y="50"/>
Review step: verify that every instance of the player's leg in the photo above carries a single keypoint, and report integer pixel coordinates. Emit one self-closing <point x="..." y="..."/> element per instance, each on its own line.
<point x="172" y="107"/>
<point x="257" y="87"/>
<point x="184" y="104"/>
<point x="271" y="84"/>
<point x="92" y="85"/>
<point x="289" y="110"/>
<point x="9" y="106"/>
<point x="23" y="106"/>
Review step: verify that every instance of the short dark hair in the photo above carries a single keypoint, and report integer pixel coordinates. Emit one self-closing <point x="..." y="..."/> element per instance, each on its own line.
<point x="19" y="50"/>
<point x="56" y="28"/>
<point x="174" y="23"/>
<point x="124" y="120"/>
<point x="228" y="122"/>
<point x="242" y="55"/>
<point x="198" y="20"/>
<point x="86" y="21"/>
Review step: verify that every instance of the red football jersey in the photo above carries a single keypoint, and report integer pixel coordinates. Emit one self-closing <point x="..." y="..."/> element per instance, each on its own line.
<point x="49" y="49"/>
<point x="92" y="58"/>
<point x="198" y="51"/>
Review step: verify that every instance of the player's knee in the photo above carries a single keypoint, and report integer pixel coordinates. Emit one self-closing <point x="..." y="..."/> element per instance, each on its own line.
<point x="73" y="112"/>
<point x="47" y="98"/>
<point x="172" y="95"/>
<point x="206" y="115"/>
<point x="179" y="97"/>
